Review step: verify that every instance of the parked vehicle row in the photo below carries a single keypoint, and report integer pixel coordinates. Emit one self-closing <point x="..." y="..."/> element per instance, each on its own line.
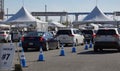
<point x="103" y="38"/>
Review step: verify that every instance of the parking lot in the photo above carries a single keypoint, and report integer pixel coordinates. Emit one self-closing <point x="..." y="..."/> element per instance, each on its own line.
<point x="82" y="60"/>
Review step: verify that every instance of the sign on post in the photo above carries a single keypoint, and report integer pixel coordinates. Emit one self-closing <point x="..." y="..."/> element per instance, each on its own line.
<point x="7" y="52"/>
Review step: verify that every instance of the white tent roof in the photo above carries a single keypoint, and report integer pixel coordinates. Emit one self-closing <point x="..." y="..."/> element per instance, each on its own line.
<point x="96" y="15"/>
<point x="22" y="16"/>
<point x="55" y="24"/>
<point x="4" y="25"/>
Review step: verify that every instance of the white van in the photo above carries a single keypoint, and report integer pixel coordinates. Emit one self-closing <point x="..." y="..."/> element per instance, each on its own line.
<point x="70" y="36"/>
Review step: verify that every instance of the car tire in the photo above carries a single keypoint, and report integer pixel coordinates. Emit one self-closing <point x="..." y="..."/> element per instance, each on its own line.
<point x="119" y="49"/>
<point x="95" y="49"/>
<point x="82" y="42"/>
<point x="58" y="45"/>
<point x="6" y="41"/>
<point x="25" y="49"/>
<point x="46" y="46"/>
<point x="76" y="43"/>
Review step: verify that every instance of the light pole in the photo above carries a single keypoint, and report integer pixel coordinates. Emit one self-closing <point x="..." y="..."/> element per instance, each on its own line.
<point x="46" y="17"/>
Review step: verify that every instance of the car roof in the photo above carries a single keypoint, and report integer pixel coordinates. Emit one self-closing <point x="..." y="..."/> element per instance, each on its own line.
<point x="68" y="28"/>
<point x="107" y="28"/>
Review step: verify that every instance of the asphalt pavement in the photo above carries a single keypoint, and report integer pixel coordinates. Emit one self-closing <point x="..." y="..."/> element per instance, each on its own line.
<point x="82" y="60"/>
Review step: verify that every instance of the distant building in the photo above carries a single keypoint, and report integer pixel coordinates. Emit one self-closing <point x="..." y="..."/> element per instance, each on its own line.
<point x="1" y="9"/>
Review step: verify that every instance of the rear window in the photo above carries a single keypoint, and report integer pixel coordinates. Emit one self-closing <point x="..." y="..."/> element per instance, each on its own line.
<point x="35" y="34"/>
<point x="1" y="32"/>
<point x="106" y="32"/>
<point x="87" y="31"/>
<point x="64" y="32"/>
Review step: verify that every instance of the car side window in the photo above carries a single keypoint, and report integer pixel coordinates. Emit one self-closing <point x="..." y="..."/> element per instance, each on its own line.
<point x="75" y="32"/>
<point x="118" y="31"/>
<point x="50" y="35"/>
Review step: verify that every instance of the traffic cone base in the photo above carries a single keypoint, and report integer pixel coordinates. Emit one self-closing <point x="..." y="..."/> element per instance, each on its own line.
<point x="90" y="45"/>
<point x="86" y="46"/>
<point x="23" y="60"/>
<point x="73" y="50"/>
<point x="23" y="63"/>
<point x="62" y="52"/>
<point x="41" y="57"/>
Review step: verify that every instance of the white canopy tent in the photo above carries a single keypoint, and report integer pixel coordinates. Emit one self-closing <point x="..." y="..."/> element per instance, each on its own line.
<point x="96" y="16"/>
<point x="24" y="17"/>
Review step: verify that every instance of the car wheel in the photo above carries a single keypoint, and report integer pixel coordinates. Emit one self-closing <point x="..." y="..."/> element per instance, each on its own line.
<point x="58" y="45"/>
<point x="119" y="49"/>
<point x="82" y="42"/>
<point x="95" y="49"/>
<point x="25" y="49"/>
<point x="5" y="41"/>
<point x="76" y="43"/>
<point x="46" y="46"/>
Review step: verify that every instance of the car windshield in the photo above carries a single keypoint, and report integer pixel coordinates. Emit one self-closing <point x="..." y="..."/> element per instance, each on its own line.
<point x="64" y="32"/>
<point x="35" y="34"/>
<point x="106" y="32"/>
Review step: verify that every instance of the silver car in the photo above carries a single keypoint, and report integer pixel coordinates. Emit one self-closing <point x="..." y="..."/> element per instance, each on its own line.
<point x="70" y="36"/>
<point x="107" y="38"/>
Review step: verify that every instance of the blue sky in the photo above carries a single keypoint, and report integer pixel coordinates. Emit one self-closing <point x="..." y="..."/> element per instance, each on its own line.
<point x="62" y="5"/>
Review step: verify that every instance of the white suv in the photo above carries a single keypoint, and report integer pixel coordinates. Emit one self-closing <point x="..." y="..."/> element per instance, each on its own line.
<point x="5" y="36"/>
<point x="107" y="38"/>
<point x="70" y="36"/>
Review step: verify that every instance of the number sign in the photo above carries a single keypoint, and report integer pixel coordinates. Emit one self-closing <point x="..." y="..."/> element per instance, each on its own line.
<point x="7" y="52"/>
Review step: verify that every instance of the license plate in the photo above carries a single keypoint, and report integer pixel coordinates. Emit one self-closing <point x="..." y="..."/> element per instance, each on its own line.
<point x="30" y="43"/>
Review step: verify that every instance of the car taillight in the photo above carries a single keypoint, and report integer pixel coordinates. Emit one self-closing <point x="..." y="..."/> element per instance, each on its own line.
<point x="3" y="35"/>
<point x="22" y="38"/>
<point x="71" y="35"/>
<point x="41" y="39"/>
<point x="116" y="35"/>
<point x="94" y="35"/>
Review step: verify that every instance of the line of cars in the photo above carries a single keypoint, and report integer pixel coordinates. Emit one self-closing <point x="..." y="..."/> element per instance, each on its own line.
<point x="103" y="38"/>
<point x="47" y="40"/>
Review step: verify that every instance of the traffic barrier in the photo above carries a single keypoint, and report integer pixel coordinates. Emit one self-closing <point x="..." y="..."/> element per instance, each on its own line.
<point x="73" y="48"/>
<point x="86" y="46"/>
<point x="23" y="59"/>
<point x="90" y="44"/>
<point x="41" y="56"/>
<point x="62" y="52"/>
